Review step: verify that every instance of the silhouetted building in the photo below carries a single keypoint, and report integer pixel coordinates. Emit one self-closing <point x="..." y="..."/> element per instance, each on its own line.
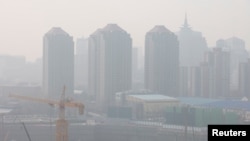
<point x="192" y="46"/>
<point x="162" y="61"/>
<point x="110" y="63"/>
<point x="58" y="62"/>
<point x="81" y="64"/>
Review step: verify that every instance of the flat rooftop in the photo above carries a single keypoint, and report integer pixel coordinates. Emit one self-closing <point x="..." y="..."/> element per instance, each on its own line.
<point x="153" y="97"/>
<point x="4" y="111"/>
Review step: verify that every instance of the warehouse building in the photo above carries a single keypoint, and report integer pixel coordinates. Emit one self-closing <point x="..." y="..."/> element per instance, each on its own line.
<point x="150" y="106"/>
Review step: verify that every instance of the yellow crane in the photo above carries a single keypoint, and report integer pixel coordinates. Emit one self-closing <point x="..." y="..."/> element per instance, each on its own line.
<point x="61" y="122"/>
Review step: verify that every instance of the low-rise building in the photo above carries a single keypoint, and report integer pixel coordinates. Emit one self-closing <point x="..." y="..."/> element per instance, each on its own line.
<point x="150" y="106"/>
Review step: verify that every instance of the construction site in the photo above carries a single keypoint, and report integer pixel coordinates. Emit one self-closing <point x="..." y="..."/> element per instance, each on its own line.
<point x="68" y="120"/>
<point x="141" y="117"/>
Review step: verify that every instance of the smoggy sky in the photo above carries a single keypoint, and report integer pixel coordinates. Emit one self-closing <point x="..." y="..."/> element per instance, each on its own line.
<point x="24" y="22"/>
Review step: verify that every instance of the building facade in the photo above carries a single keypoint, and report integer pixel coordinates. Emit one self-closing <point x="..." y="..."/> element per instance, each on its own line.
<point x="162" y="61"/>
<point x="110" y="63"/>
<point x="58" y="63"/>
<point x="218" y="69"/>
<point x="238" y="54"/>
<point x="192" y="46"/>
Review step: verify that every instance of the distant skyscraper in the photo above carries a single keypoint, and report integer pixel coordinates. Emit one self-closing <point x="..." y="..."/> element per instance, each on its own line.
<point x="218" y="69"/>
<point x="192" y="46"/>
<point x="238" y="54"/>
<point x="81" y="64"/>
<point x="162" y="61"/>
<point x="110" y="63"/>
<point x="58" y="62"/>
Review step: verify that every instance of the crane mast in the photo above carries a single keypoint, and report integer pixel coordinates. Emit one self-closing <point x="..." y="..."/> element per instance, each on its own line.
<point x="61" y="122"/>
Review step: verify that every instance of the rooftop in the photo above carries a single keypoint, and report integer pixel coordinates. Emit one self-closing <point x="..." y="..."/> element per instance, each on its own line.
<point x="56" y="31"/>
<point x="196" y="100"/>
<point x="160" y="28"/>
<point x="4" y="110"/>
<point x="112" y="27"/>
<point x="216" y="103"/>
<point x="229" y="104"/>
<point x="153" y="97"/>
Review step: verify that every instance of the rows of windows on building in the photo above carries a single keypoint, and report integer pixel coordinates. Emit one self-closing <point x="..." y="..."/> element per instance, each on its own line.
<point x="105" y="63"/>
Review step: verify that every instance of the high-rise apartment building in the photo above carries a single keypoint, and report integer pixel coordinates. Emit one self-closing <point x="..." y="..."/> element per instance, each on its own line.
<point x="110" y="63"/>
<point x="218" y="69"/>
<point x="58" y="63"/>
<point x="238" y="54"/>
<point x="162" y="61"/>
<point x="210" y="79"/>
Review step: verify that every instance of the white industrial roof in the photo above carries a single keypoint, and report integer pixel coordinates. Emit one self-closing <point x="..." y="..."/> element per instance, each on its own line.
<point x="4" y="111"/>
<point x="154" y="97"/>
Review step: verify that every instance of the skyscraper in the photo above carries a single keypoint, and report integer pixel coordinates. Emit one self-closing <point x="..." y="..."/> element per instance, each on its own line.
<point x="192" y="46"/>
<point x="58" y="62"/>
<point x="218" y="62"/>
<point x="162" y="61"/>
<point x="110" y="63"/>
<point x="238" y="54"/>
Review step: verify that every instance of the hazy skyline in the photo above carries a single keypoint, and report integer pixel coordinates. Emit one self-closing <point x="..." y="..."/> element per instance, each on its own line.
<point x="24" y="23"/>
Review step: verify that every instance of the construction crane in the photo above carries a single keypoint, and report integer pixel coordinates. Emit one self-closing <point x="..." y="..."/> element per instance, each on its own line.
<point x="61" y="122"/>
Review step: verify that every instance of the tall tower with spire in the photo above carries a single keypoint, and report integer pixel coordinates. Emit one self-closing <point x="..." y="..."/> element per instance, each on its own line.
<point x="192" y="45"/>
<point x="192" y="48"/>
<point x="185" y="25"/>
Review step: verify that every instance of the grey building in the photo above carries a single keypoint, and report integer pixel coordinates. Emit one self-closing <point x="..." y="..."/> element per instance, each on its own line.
<point x="192" y="46"/>
<point x="238" y="54"/>
<point x="218" y="70"/>
<point x="207" y="80"/>
<point x="184" y="84"/>
<point x="110" y="63"/>
<point x="162" y="61"/>
<point x="58" y="63"/>
<point x="244" y="79"/>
